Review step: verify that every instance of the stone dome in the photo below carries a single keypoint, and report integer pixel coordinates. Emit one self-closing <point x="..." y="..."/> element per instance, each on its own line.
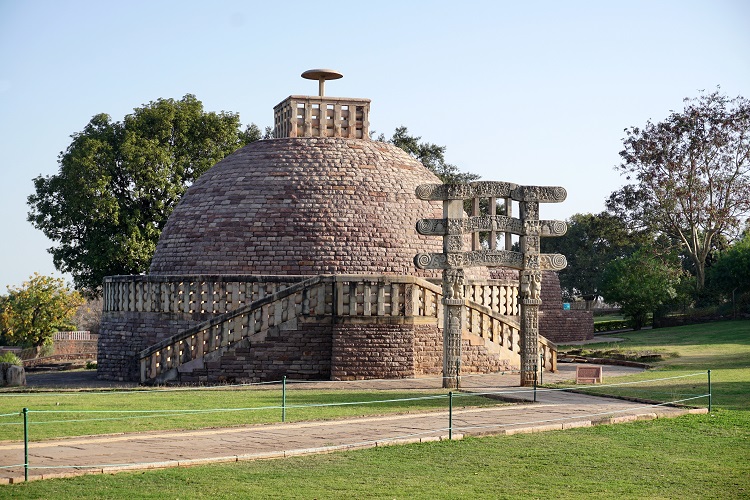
<point x="302" y="206"/>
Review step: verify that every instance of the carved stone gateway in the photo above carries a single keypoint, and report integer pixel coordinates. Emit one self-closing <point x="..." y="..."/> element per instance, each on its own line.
<point x="529" y="261"/>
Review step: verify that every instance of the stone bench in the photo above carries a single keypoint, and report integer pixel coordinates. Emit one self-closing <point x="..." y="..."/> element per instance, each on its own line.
<point x="588" y="374"/>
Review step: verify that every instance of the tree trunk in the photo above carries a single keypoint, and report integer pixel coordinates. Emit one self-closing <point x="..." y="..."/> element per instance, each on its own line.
<point x="700" y="274"/>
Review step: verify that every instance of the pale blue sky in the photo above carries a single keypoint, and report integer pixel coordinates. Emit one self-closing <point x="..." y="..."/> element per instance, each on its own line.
<point x="532" y="92"/>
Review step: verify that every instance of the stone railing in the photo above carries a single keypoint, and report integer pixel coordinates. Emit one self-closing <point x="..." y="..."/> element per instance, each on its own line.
<point x="159" y="362"/>
<point x="548" y="354"/>
<point x="189" y="294"/>
<point x="499" y="295"/>
<point x="245" y="307"/>
<point x="319" y="116"/>
<point x="500" y="330"/>
<point x="78" y="335"/>
<point x="505" y="332"/>
<point x="386" y="296"/>
<point x="374" y="295"/>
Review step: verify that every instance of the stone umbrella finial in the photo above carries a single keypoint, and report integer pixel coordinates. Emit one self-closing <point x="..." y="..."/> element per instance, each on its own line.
<point x="321" y="75"/>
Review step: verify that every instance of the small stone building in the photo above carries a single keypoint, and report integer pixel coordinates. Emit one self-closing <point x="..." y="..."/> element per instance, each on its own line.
<point x="294" y="256"/>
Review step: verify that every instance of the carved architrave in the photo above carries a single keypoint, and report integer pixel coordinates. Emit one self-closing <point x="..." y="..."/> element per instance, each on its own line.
<point x="477" y="258"/>
<point x="431" y="261"/>
<point x="499" y="223"/>
<point x="444" y="192"/>
<point x="552" y="262"/>
<point x="553" y="228"/>
<point x="432" y="227"/>
<point x="454" y="244"/>
<point x="465" y="191"/>
<point x="503" y="258"/>
<point x="540" y="194"/>
<point x="490" y="189"/>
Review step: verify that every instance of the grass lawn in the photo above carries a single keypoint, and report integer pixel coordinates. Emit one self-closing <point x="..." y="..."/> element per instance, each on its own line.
<point x="696" y="456"/>
<point x="608" y="317"/>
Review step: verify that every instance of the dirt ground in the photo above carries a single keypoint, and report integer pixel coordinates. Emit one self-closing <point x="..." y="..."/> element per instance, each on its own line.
<point x="71" y="379"/>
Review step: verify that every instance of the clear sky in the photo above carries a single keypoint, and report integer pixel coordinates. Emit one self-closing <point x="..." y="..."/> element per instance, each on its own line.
<point x="532" y="92"/>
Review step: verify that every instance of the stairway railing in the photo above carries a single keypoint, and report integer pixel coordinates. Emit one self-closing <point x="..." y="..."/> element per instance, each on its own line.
<point x="340" y="296"/>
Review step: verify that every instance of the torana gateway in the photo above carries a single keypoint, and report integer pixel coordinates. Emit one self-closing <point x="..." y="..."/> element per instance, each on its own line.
<point x="294" y="257"/>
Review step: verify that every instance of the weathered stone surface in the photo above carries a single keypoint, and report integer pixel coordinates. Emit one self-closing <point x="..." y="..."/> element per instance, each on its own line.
<point x="12" y="375"/>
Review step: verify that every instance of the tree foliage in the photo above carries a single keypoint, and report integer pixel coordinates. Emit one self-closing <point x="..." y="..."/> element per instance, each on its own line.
<point x="118" y="182"/>
<point x="640" y="283"/>
<point x="33" y="312"/>
<point x="691" y="173"/>
<point x="590" y="244"/>
<point x="428" y="154"/>
<point x="731" y="272"/>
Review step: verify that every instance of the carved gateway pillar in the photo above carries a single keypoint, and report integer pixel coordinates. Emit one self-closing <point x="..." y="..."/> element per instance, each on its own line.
<point x="454" y="259"/>
<point x="530" y="286"/>
<point x="453" y="292"/>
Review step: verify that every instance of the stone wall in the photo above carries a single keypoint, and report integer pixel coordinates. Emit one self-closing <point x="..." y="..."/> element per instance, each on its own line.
<point x="556" y="324"/>
<point x="124" y="334"/>
<point x="372" y="350"/>
<point x="566" y="326"/>
<point x="75" y="346"/>
<point x="428" y="350"/>
<point x="479" y="357"/>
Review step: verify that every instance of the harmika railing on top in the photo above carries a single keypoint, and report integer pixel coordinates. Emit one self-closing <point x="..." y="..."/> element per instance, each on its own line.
<point x="284" y="299"/>
<point x="78" y="335"/>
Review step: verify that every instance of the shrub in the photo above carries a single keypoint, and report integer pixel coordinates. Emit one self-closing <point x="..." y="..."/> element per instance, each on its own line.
<point x="615" y="324"/>
<point x="9" y="357"/>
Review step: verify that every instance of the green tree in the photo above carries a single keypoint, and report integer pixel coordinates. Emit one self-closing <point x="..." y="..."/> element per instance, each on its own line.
<point x="118" y="182"/>
<point x="590" y="244"/>
<point x="730" y="274"/>
<point x="33" y="312"/>
<point x="640" y="284"/>
<point x="428" y="154"/>
<point x="691" y="173"/>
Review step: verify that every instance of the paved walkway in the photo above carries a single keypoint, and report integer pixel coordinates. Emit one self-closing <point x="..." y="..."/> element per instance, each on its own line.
<point x="552" y="411"/>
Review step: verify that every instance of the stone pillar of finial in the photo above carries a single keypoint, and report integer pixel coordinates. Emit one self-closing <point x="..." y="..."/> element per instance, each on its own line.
<point x="530" y="287"/>
<point x="321" y="75"/>
<point x="453" y="294"/>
